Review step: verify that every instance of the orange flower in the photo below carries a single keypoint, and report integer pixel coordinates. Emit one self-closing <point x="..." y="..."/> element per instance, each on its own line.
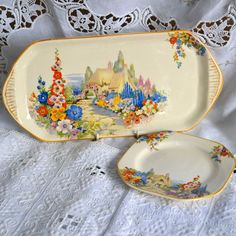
<point x="136" y="180"/>
<point x="129" y="171"/>
<point x="42" y="111"/>
<point x="144" y="102"/>
<point x="57" y="75"/>
<point x="58" y="114"/>
<point x="127" y="121"/>
<point x="173" y="40"/>
<point x="155" y="106"/>
<point x="152" y="136"/>
<point x="33" y="95"/>
<point x="131" y="115"/>
<point x="137" y="120"/>
<point x="127" y="177"/>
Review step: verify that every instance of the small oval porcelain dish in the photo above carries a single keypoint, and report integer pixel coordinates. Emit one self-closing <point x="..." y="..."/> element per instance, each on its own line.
<point x="176" y="165"/>
<point x="67" y="89"/>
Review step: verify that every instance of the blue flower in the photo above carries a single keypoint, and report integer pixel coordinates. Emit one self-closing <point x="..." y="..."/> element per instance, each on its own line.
<point x="110" y="96"/>
<point x="76" y="91"/>
<point x="43" y="83"/>
<point x="201" y="51"/>
<point x="38" y="87"/>
<point x="75" y="112"/>
<point x="142" y="138"/>
<point x="189" y="45"/>
<point x="43" y="97"/>
<point x="164" y="98"/>
<point x="142" y="175"/>
<point x="156" y="97"/>
<point x="179" y="42"/>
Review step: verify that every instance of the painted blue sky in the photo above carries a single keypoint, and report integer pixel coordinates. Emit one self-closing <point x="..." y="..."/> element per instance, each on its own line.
<point x="74" y="80"/>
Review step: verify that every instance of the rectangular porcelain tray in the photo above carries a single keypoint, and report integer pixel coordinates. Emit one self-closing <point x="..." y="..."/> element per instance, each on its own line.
<point x="112" y="85"/>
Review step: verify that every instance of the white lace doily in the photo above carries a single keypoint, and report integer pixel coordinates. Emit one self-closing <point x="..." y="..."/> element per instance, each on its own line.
<point x="74" y="189"/>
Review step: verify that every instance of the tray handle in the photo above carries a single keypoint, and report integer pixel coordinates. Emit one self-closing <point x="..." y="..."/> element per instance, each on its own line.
<point x="9" y="95"/>
<point x="215" y="81"/>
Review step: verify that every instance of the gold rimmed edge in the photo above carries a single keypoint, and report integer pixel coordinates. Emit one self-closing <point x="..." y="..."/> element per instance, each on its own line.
<point x="9" y="78"/>
<point x="184" y="199"/>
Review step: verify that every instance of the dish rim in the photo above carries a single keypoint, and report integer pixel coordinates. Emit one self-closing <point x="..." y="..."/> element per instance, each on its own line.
<point x="176" y="198"/>
<point x="8" y="79"/>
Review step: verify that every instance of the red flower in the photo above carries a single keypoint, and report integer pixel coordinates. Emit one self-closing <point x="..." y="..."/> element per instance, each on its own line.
<point x="225" y="153"/>
<point x="173" y="40"/>
<point x="57" y="75"/>
<point x="54" y="68"/>
<point x="42" y="111"/>
<point x="137" y="120"/>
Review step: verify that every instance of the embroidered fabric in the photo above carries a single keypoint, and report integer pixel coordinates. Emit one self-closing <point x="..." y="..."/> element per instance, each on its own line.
<point x="82" y="18"/>
<point x="73" y="189"/>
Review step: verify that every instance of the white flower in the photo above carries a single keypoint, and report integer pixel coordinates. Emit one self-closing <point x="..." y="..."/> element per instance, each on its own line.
<point x="139" y="112"/>
<point x="64" y="126"/>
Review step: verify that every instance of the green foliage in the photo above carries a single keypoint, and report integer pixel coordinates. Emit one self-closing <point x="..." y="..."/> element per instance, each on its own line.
<point x="90" y="93"/>
<point x="131" y="72"/>
<point x="45" y="121"/>
<point x="119" y="64"/>
<point x="69" y="94"/>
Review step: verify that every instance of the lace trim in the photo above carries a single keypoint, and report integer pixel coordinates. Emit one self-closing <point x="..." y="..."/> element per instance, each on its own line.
<point x="22" y="14"/>
<point x="81" y="18"/>
<point x="217" y="33"/>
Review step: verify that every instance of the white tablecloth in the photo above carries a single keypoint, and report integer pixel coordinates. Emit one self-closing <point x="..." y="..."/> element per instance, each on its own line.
<point x="73" y="188"/>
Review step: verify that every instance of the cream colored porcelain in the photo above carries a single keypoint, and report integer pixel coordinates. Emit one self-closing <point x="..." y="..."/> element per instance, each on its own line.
<point x="177" y="165"/>
<point x="135" y="83"/>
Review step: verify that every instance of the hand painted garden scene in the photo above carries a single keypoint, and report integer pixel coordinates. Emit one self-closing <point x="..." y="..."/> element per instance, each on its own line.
<point x="100" y="99"/>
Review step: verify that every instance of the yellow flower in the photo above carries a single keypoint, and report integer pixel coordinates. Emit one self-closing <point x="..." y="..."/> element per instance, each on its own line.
<point x="101" y="103"/>
<point x="116" y="100"/>
<point x="58" y="114"/>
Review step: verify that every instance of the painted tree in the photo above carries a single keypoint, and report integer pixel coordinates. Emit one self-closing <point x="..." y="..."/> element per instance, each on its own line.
<point x="140" y="82"/>
<point x="147" y="87"/>
<point x="119" y="63"/>
<point x="131" y="72"/>
<point x="88" y="74"/>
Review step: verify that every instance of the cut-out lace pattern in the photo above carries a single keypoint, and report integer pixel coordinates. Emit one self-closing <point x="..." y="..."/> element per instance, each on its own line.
<point x="61" y="186"/>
